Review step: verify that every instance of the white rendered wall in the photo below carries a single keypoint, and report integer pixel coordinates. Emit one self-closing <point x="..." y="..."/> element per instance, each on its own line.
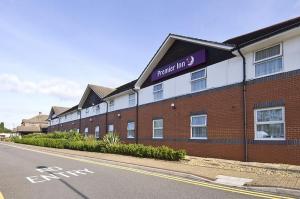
<point x="291" y="60"/>
<point x="218" y="75"/>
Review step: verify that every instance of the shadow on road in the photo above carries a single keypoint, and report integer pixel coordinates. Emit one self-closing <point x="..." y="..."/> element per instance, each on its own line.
<point x="66" y="183"/>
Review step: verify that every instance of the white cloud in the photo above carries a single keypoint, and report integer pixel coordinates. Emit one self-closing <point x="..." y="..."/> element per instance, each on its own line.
<point x="57" y="87"/>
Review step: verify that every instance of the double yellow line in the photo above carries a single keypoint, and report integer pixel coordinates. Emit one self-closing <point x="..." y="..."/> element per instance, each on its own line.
<point x="165" y="176"/>
<point x="1" y="196"/>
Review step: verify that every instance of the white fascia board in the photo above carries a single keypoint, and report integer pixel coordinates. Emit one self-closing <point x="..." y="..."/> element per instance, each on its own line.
<point x="205" y="43"/>
<point x="83" y="98"/>
<point x="270" y="41"/>
<point x="157" y="57"/>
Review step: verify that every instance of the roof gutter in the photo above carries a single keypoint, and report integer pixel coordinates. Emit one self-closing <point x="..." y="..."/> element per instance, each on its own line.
<point x="244" y="106"/>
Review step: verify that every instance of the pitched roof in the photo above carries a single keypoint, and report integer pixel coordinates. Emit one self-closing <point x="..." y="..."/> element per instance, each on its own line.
<point x="122" y="88"/>
<point x="69" y="110"/>
<point x="58" y="109"/>
<point x="252" y="37"/>
<point x="28" y="129"/>
<point x="38" y="119"/>
<point x="101" y="91"/>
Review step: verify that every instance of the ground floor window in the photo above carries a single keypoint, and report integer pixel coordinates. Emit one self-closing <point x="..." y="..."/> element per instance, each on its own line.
<point x="158" y="127"/>
<point x="110" y="128"/>
<point x="97" y="132"/>
<point x="130" y="130"/>
<point x="199" y="127"/>
<point x="86" y="132"/>
<point x="270" y="123"/>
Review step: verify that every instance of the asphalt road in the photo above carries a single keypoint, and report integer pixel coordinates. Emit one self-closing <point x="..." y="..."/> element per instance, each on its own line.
<point x="31" y="174"/>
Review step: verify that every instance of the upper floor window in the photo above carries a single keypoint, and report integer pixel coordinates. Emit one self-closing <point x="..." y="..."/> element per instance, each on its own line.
<point x="111" y="105"/>
<point x="97" y="132"/>
<point x="199" y="127"/>
<point x="130" y="130"/>
<point x="198" y="80"/>
<point x="268" y="61"/>
<point x="270" y="123"/>
<point x="158" y="92"/>
<point x="158" y="128"/>
<point x="131" y="98"/>
<point x="87" y="110"/>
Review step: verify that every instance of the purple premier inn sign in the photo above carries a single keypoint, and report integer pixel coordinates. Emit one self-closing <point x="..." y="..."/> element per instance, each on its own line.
<point x="192" y="60"/>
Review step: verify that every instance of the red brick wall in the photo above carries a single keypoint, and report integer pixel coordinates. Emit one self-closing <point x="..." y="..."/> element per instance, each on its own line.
<point x="225" y="121"/>
<point x="286" y="89"/>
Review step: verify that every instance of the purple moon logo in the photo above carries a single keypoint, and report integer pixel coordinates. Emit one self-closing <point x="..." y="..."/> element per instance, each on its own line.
<point x="190" y="60"/>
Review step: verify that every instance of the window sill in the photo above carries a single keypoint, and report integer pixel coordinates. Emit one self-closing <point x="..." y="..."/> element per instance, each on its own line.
<point x="130" y="137"/>
<point x="261" y="76"/>
<point x="269" y="139"/>
<point x="199" y="90"/>
<point x="198" y="138"/>
<point x="157" y="138"/>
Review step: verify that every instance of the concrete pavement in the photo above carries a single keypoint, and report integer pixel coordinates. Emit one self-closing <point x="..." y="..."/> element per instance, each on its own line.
<point x="30" y="173"/>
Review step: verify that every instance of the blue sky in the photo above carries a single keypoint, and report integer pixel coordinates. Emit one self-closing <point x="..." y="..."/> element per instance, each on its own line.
<point x="50" y="50"/>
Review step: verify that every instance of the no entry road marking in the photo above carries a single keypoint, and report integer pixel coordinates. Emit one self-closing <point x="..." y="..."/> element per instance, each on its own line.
<point x="170" y="177"/>
<point x="56" y="173"/>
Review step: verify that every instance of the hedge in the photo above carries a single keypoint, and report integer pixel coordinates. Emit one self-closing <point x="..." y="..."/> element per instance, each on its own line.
<point x="137" y="150"/>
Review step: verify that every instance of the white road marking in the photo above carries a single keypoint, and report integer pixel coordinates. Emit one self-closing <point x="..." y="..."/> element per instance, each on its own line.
<point x="232" y="181"/>
<point x="57" y="175"/>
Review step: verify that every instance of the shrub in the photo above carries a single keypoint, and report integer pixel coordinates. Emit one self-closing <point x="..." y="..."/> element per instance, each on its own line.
<point x="111" y="139"/>
<point x="137" y="150"/>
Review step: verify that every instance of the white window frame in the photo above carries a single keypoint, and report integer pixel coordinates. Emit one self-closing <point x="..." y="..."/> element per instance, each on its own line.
<point x="111" y="105"/>
<point x="269" y="122"/>
<point x="205" y="77"/>
<point x="267" y="59"/>
<point x="97" y="137"/>
<point x="191" y="127"/>
<point x="131" y="130"/>
<point x="162" y="89"/>
<point x="153" y="129"/>
<point x="131" y="102"/>
<point x="86" y="132"/>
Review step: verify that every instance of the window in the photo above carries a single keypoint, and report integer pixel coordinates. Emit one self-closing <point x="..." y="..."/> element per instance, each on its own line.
<point x="198" y="80"/>
<point x="131" y="100"/>
<point x="130" y="130"/>
<point x="97" y="132"/>
<point x="86" y="132"/>
<point x="270" y="124"/>
<point x="199" y="127"/>
<point x="158" y="127"/>
<point x="87" y="110"/>
<point x="77" y="130"/>
<point x="158" y="92"/>
<point x="268" y="61"/>
<point x="110" y="128"/>
<point x="111" y="105"/>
